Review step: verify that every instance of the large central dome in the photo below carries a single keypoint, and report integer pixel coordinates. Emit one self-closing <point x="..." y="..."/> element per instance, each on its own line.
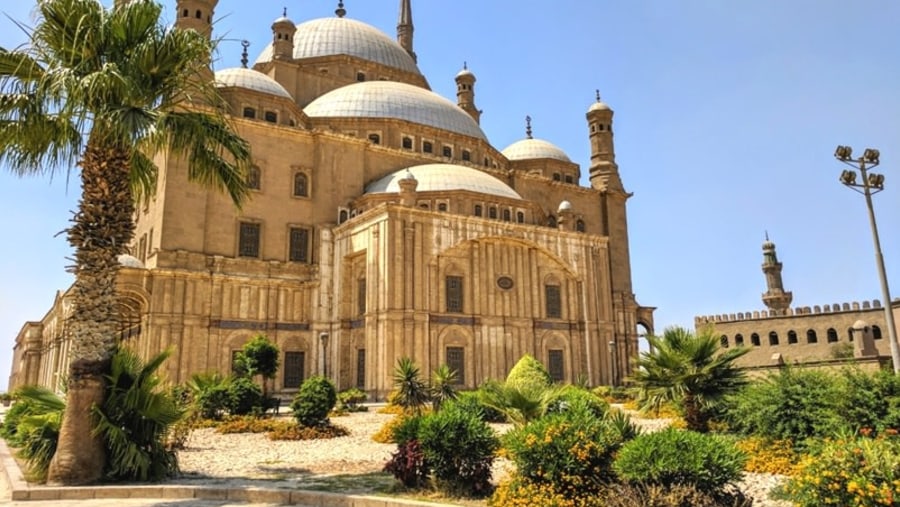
<point x="401" y="101"/>
<point x="444" y="177"/>
<point x="344" y="36"/>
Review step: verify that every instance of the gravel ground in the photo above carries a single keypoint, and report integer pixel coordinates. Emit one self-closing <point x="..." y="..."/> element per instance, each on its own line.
<point x="253" y="459"/>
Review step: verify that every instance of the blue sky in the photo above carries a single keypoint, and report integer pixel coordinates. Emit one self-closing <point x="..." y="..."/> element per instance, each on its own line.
<point x="727" y="116"/>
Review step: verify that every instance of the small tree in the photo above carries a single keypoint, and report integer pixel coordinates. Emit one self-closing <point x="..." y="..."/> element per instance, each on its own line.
<point x="688" y="369"/>
<point x="412" y="393"/>
<point x="259" y="356"/>
<point x="443" y="380"/>
<point x="314" y="401"/>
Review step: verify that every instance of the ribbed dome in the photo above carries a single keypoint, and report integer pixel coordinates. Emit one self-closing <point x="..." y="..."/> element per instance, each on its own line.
<point x="527" y="149"/>
<point x="250" y="79"/>
<point x="441" y="177"/>
<point x="388" y="99"/>
<point x="344" y="36"/>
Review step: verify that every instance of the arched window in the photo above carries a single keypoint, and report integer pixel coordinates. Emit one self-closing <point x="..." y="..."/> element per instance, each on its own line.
<point x="876" y="332"/>
<point x="811" y="336"/>
<point x="724" y="341"/>
<point x="407" y="143"/>
<point x="520" y="217"/>
<point x="492" y="212"/>
<point x="185" y="13"/>
<point x="507" y="215"/>
<point x="792" y="337"/>
<point x="375" y="138"/>
<point x="570" y="179"/>
<point x="198" y="15"/>
<point x="832" y="335"/>
<point x="466" y="156"/>
<point x="773" y="338"/>
<point x="754" y="340"/>
<point x="478" y="211"/>
<point x="253" y="178"/>
<point x="442" y="206"/>
<point x="301" y="185"/>
<point x="557" y="177"/>
<point x="271" y="116"/>
<point x="342" y="216"/>
<point x="360" y="76"/>
<point x="447" y="151"/>
<point x="579" y="225"/>
<point x="850" y="333"/>
<point x="739" y="340"/>
<point x="551" y="221"/>
<point x="427" y="147"/>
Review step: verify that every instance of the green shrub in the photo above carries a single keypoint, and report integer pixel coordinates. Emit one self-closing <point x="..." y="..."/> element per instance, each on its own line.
<point x="314" y="401"/>
<point x="860" y="471"/>
<point x="790" y="405"/>
<point x="459" y="449"/>
<point x="406" y="429"/>
<point x="869" y="400"/>
<point x="672" y="456"/>
<point x="37" y="437"/>
<point x="244" y="396"/>
<point x="351" y="400"/>
<point x="571" y="396"/>
<point x="679" y="495"/>
<point x="135" y="418"/>
<point x="470" y="400"/>
<point x="529" y="373"/>
<point x="573" y="451"/>
<point x="209" y="392"/>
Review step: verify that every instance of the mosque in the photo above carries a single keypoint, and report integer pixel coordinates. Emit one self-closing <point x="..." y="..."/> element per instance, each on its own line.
<point x="383" y="224"/>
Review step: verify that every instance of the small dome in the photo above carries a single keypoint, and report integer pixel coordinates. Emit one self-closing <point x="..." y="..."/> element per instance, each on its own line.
<point x="599" y="106"/>
<point x="344" y="36"/>
<point x="465" y="73"/>
<point x="250" y="79"/>
<point x="389" y="99"/>
<point x="130" y="261"/>
<point x="564" y="206"/>
<point x="527" y="149"/>
<point x="443" y="177"/>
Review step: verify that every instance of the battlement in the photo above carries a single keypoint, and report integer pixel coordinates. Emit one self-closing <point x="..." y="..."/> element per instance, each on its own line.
<point x="854" y="306"/>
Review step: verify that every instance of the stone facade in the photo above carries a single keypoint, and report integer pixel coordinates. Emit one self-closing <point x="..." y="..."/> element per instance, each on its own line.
<point x="818" y="335"/>
<point x="384" y="229"/>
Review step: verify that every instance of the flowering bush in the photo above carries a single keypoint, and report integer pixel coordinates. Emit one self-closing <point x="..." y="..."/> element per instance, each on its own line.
<point x="572" y="451"/>
<point x="407" y="464"/>
<point x="861" y="472"/>
<point x="768" y="456"/>
<point x="522" y="493"/>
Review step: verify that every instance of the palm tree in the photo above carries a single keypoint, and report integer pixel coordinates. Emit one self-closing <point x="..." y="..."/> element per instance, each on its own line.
<point x="106" y="90"/>
<point x="412" y="392"/>
<point x="443" y="382"/>
<point x="687" y="369"/>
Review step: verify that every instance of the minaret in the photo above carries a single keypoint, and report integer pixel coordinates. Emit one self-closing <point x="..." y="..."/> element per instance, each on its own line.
<point x="195" y="15"/>
<point x="604" y="171"/>
<point x="405" y="28"/>
<point x="465" y="93"/>
<point x="775" y="297"/>
<point x="283" y="37"/>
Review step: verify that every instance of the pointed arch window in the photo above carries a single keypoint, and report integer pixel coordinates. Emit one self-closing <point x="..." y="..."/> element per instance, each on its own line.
<point x="301" y="185"/>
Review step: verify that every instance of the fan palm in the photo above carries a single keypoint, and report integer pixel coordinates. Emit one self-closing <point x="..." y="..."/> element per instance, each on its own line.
<point x="106" y="90"/>
<point x="688" y="369"/>
<point x="412" y="392"/>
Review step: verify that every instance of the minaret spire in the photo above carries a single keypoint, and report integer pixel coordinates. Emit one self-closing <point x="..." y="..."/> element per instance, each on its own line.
<point x="528" y="127"/>
<point x="775" y="297"/>
<point x="405" y="28"/>
<point x="340" y="11"/>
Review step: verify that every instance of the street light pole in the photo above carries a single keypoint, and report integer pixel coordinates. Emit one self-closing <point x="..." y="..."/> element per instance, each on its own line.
<point x="872" y="181"/>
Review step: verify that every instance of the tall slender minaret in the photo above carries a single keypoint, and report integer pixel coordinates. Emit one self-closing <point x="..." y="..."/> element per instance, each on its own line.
<point x="465" y="93"/>
<point x="604" y="170"/>
<point x="775" y="297"/>
<point x="405" y="28"/>
<point x="196" y="15"/>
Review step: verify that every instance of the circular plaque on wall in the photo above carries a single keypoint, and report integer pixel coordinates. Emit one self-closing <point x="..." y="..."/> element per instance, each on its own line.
<point x="505" y="282"/>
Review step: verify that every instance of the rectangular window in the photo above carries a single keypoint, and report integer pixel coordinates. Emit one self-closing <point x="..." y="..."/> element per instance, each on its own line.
<point x="249" y="112"/>
<point x="293" y="369"/>
<point x="555" y="366"/>
<point x="299" y="245"/>
<point x="454" y="294"/>
<point x="427" y="147"/>
<point x="361" y="368"/>
<point x="456" y="361"/>
<point x="553" y="297"/>
<point x="271" y="116"/>
<point x="361" y="296"/>
<point x="248" y="241"/>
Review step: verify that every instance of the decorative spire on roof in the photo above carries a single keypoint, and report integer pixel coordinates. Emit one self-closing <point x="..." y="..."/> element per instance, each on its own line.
<point x="340" y="11"/>
<point x="465" y="65"/>
<point x="598" y="95"/>
<point x="284" y="12"/>
<point x="528" y="127"/>
<point x="405" y="28"/>
<point x="244" y="59"/>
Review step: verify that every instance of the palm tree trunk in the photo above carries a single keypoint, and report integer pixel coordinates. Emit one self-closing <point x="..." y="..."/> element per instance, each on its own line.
<point x="694" y="417"/>
<point x="102" y="228"/>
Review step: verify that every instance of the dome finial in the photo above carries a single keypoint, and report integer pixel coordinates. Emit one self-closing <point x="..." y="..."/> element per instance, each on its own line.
<point x="528" y="127"/>
<point x="598" y="94"/>
<point x="244" y="59"/>
<point x="767" y="235"/>
<point x="284" y="12"/>
<point x="340" y="11"/>
<point x="465" y="65"/>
